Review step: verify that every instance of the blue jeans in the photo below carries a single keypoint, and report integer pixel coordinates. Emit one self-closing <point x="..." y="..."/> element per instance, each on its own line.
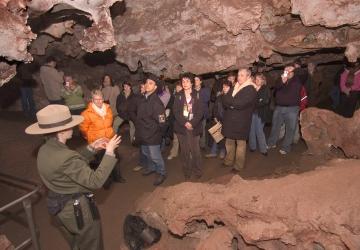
<point x="289" y="116"/>
<point x="154" y="160"/>
<point x="142" y="159"/>
<point x="257" y="134"/>
<point x="218" y="147"/>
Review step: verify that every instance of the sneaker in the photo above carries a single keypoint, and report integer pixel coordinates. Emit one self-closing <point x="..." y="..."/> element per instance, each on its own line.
<point x="137" y="168"/>
<point x="160" y="179"/>
<point x="222" y="155"/>
<point x="197" y="177"/>
<point x="234" y="171"/>
<point x="283" y="152"/>
<point x="210" y="155"/>
<point x="224" y="165"/>
<point x="270" y="147"/>
<point x="170" y="157"/>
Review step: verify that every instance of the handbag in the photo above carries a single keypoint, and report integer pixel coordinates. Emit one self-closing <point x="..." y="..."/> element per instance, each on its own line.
<point x="215" y="132"/>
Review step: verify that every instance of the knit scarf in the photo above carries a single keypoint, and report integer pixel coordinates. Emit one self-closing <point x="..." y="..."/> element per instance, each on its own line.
<point x="100" y="111"/>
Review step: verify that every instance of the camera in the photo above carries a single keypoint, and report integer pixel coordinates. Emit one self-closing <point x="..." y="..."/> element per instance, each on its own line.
<point x="285" y="74"/>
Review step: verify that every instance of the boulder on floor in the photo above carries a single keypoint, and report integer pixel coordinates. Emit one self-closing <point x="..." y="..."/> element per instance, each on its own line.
<point x="323" y="129"/>
<point x="314" y="209"/>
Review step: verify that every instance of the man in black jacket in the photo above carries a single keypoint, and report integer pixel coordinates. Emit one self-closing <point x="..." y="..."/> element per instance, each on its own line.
<point x="286" y="111"/>
<point x="149" y="123"/>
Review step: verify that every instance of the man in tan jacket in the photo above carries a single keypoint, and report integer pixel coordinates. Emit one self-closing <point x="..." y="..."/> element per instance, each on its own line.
<point x="52" y="80"/>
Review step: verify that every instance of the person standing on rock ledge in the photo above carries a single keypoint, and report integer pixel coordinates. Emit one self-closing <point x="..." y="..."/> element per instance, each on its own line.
<point x="69" y="178"/>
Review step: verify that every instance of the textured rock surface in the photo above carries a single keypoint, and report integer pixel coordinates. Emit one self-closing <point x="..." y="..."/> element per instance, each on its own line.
<point x="315" y="209"/>
<point x="322" y="129"/>
<point x="178" y="36"/>
<point x="57" y="30"/>
<point x="98" y="37"/>
<point x="5" y="244"/>
<point x="15" y="35"/>
<point x="201" y="36"/>
<point x="6" y="72"/>
<point x="327" y="13"/>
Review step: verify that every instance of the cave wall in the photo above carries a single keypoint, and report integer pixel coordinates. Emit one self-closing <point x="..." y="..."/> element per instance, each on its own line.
<point x="170" y="37"/>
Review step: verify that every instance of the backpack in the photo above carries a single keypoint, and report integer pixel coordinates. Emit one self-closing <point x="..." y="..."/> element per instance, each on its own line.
<point x="138" y="235"/>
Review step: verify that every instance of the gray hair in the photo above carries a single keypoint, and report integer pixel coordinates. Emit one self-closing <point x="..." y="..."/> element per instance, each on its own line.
<point x="247" y="70"/>
<point x="96" y="92"/>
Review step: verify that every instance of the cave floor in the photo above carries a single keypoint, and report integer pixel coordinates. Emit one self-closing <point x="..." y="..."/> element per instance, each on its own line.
<point x="18" y="158"/>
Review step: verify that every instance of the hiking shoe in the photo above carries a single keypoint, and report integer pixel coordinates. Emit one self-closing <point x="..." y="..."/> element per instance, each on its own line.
<point x="283" y="152"/>
<point x="170" y="157"/>
<point x="148" y="172"/>
<point x="210" y="156"/>
<point x="160" y="179"/>
<point x="137" y="168"/>
<point x="222" y="155"/>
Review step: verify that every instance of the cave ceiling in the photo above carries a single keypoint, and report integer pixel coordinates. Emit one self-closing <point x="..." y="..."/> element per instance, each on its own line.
<point x="173" y="36"/>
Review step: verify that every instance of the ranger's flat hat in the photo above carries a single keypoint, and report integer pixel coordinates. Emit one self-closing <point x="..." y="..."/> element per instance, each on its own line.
<point x="53" y="118"/>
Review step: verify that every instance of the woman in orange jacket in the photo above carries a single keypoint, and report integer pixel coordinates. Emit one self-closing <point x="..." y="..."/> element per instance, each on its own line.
<point x="98" y="119"/>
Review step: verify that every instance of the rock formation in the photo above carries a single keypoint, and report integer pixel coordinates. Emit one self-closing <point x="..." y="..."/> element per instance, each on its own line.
<point x="98" y="37"/>
<point x="16" y="35"/>
<point x="323" y="129"/>
<point x="314" y="210"/>
<point x="204" y="36"/>
<point x="200" y="36"/>
<point x="5" y="243"/>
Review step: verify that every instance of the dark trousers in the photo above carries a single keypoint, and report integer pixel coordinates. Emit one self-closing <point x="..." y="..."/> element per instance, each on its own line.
<point x="89" y="237"/>
<point x="61" y="102"/>
<point x="115" y="173"/>
<point x="27" y="102"/>
<point x="348" y="103"/>
<point x="190" y="154"/>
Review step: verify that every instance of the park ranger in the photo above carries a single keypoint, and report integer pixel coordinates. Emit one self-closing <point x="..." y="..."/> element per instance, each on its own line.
<point x="69" y="178"/>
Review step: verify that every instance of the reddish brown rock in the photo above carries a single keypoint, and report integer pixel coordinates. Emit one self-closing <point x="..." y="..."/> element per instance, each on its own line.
<point x="201" y="36"/>
<point x="323" y="129"/>
<point x="314" y="209"/>
<point x="327" y="12"/>
<point x="100" y="36"/>
<point x="57" y="30"/>
<point x="219" y="238"/>
<point x="6" y="72"/>
<point x="15" y="35"/>
<point x="5" y="244"/>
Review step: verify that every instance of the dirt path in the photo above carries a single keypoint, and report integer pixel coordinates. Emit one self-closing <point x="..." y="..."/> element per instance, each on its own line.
<point x="18" y="158"/>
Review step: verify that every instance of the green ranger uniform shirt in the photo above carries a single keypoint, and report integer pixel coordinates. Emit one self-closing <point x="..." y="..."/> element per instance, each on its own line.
<point x="66" y="171"/>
